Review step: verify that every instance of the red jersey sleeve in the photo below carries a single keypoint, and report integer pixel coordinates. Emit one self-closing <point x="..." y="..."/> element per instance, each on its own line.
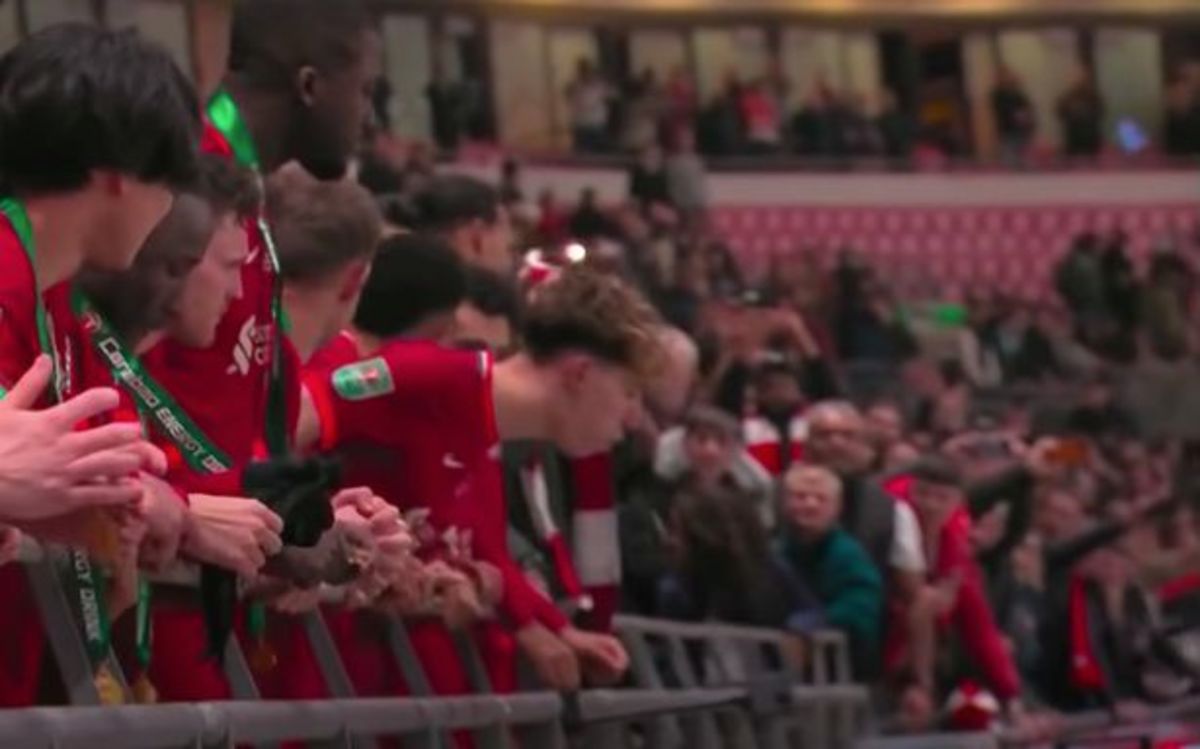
<point x="18" y="326"/>
<point x="404" y="392"/>
<point x="521" y="602"/>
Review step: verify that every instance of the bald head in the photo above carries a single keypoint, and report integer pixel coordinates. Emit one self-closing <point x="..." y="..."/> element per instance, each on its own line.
<point x="837" y="437"/>
<point x="667" y="394"/>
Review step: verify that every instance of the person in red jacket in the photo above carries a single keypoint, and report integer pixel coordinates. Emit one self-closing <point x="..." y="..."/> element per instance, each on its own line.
<point x="959" y="605"/>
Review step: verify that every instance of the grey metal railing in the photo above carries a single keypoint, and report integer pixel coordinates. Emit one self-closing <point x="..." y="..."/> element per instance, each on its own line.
<point x="695" y="684"/>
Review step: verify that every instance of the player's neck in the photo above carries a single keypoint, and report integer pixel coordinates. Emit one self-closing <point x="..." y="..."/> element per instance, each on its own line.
<point x="308" y="322"/>
<point x="520" y="395"/>
<point x="59" y="224"/>
<point x="266" y="116"/>
<point x="366" y="343"/>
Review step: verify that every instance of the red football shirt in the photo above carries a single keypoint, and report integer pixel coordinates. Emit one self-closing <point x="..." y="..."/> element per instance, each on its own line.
<point x="23" y="640"/>
<point x="224" y="387"/>
<point x="418" y="421"/>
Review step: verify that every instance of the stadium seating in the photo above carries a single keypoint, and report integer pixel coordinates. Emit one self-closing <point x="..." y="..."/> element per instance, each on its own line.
<point x="1006" y="249"/>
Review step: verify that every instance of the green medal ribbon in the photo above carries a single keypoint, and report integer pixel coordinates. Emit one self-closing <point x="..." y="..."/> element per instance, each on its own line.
<point x="144" y="634"/>
<point x="97" y="629"/>
<point x="227" y="119"/>
<point x="153" y="402"/>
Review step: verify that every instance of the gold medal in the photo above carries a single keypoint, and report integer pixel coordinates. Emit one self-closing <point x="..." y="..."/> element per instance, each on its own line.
<point x="263" y="658"/>
<point x="144" y="692"/>
<point x="103" y="540"/>
<point x="108" y="687"/>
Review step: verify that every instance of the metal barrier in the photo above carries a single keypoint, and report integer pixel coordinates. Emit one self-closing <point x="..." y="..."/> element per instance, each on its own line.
<point x="703" y="685"/>
<point x="1093" y="728"/>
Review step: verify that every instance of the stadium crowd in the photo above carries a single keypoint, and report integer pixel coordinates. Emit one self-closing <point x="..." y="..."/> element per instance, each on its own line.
<point x="774" y="115"/>
<point x="218" y="350"/>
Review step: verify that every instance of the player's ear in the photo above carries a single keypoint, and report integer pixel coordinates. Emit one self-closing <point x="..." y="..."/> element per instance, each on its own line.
<point x="353" y="280"/>
<point x="306" y="85"/>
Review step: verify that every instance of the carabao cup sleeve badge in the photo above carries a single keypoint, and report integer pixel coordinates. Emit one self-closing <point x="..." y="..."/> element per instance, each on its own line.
<point x="363" y="380"/>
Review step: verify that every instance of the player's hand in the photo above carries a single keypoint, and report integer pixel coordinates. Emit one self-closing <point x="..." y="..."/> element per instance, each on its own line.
<point x="10" y="544"/>
<point x="356" y="532"/>
<point x="460" y="605"/>
<point x="296" y="601"/>
<point x="47" y="468"/>
<point x="602" y="656"/>
<point x="489" y="582"/>
<point x="553" y="660"/>
<point x="165" y="518"/>
<point x="236" y="533"/>
<point x="390" y="535"/>
<point x="105" y="533"/>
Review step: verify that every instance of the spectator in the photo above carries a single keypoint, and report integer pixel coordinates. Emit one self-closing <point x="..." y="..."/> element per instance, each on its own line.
<point x="957" y="600"/>
<point x="1098" y="414"/>
<point x="648" y="179"/>
<point x="1179" y="129"/>
<point x="588" y="97"/>
<point x="814" y="126"/>
<point x="1123" y="295"/>
<point x="897" y="130"/>
<point x="832" y="564"/>
<point x="588" y="222"/>
<point x="885" y="424"/>
<point x="1075" y="361"/>
<point x="1166" y="305"/>
<point x="681" y="104"/>
<point x="381" y="98"/>
<point x="776" y="432"/>
<point x="721" y="130"/>
<point x="760" y="115"/>
<point x="887" y="530"/>
<point x="868" y="326"/>
<point x="448" y="106"/>
<point x="1021" y="350"/>
<point x="1014" y="117"/>
<point x="687" y="187"/>
<point x="723" y="568"/>
<point x="707" y="451"/>
<point x="1080" y="283"/>
<point x="644" y="109"/>
<point x="1081" y="113"/>
<point x="554" y="226"/>
<point x="859" y="134"/>
<point x="511" y="193"/>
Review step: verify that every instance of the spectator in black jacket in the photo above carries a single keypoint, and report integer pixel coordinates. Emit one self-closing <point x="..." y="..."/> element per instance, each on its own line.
<point x="648" y="184"/>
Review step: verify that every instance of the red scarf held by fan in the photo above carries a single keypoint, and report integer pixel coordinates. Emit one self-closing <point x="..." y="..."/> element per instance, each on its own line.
<point x="1085" y="666"/>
